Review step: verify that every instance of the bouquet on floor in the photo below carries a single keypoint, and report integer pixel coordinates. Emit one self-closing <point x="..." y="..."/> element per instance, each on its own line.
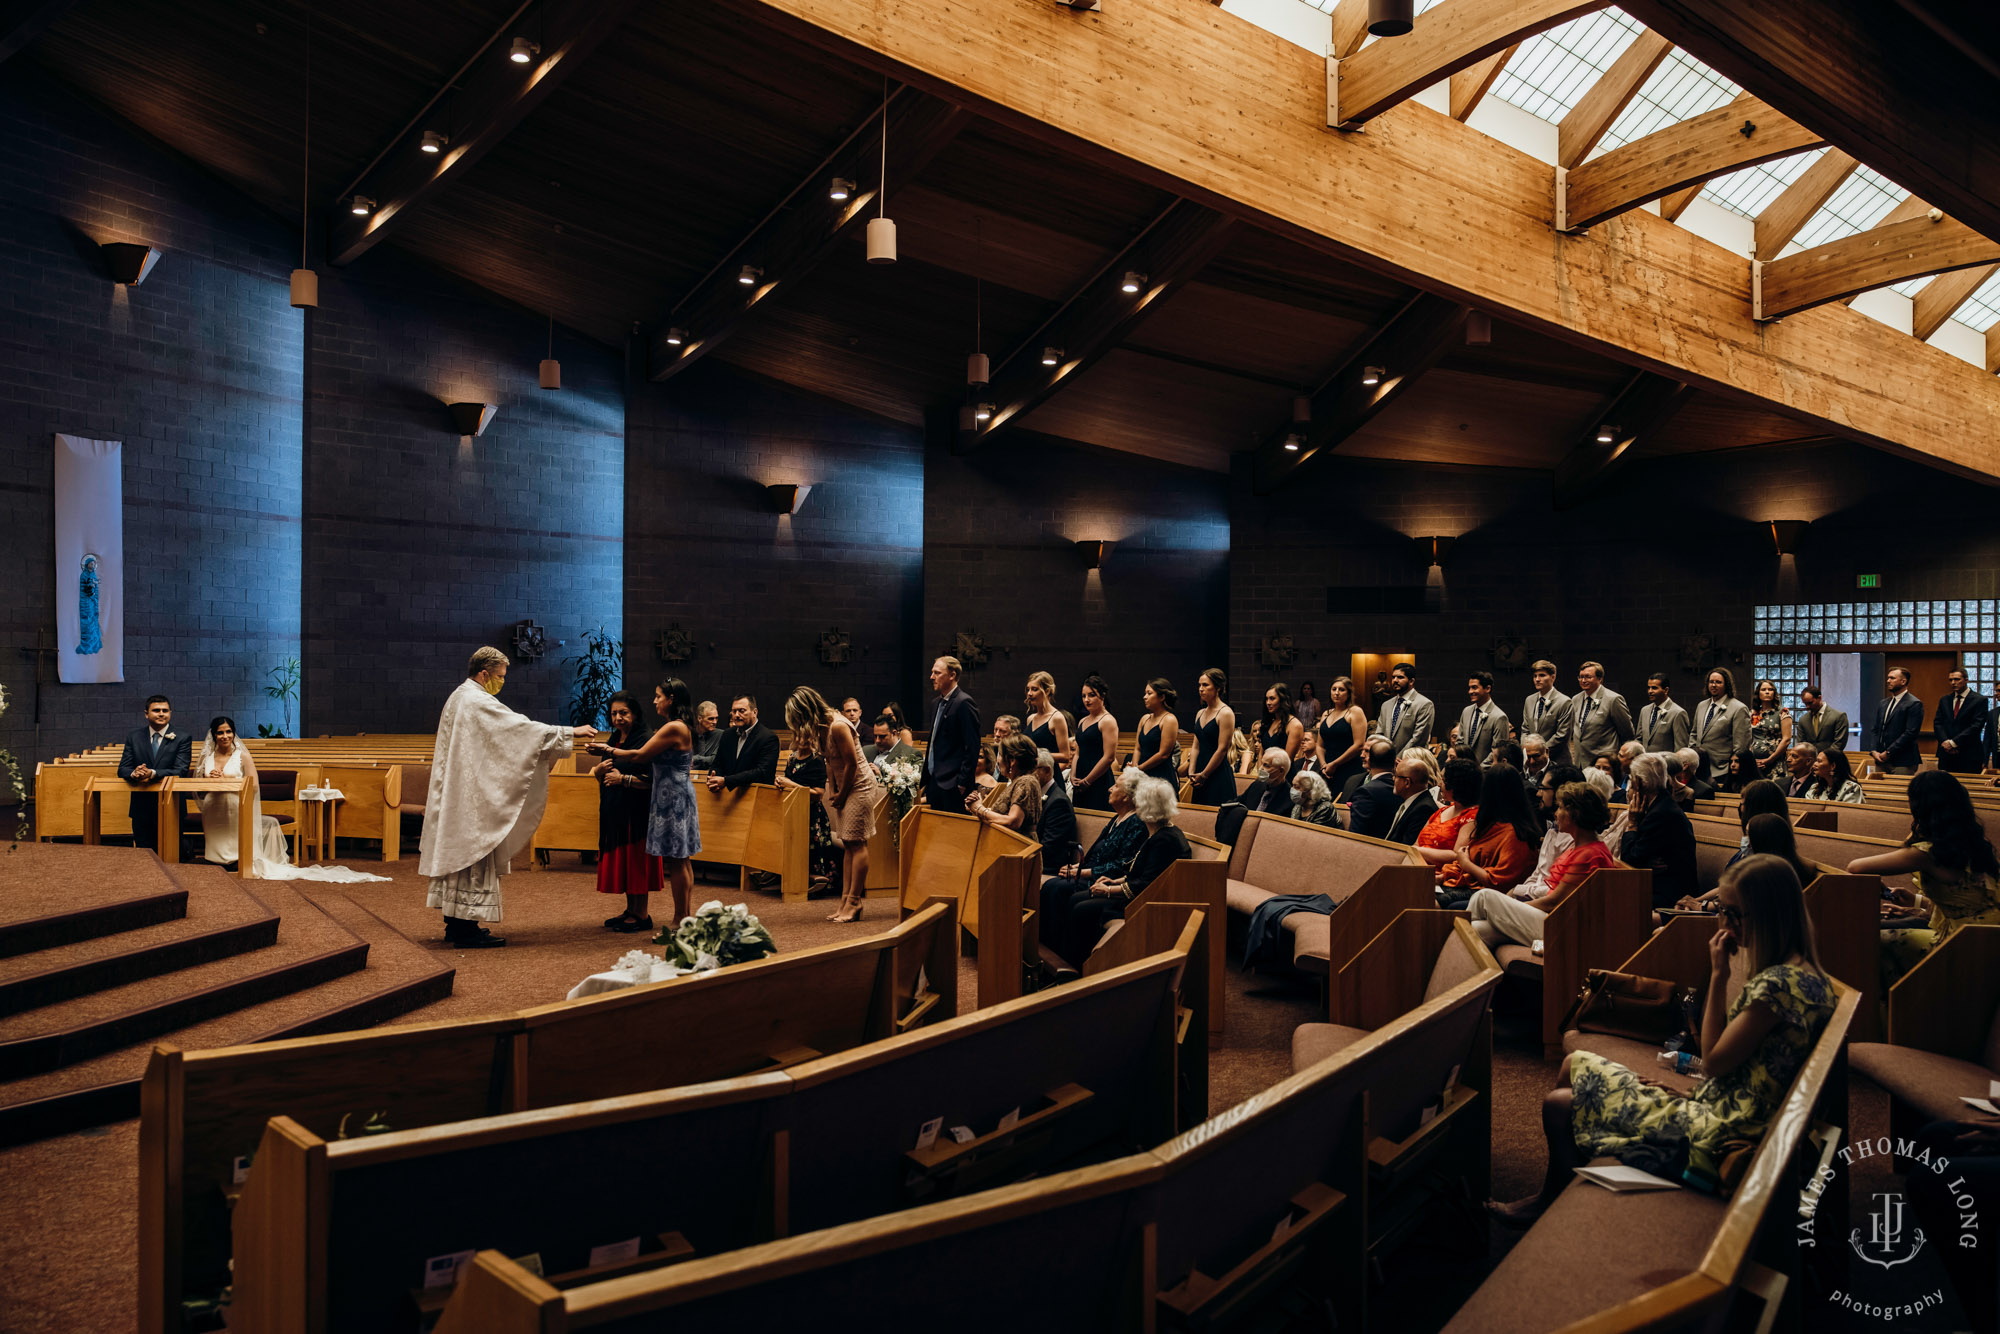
<point x="905" y="781"/>
<point x="716" y="937"/>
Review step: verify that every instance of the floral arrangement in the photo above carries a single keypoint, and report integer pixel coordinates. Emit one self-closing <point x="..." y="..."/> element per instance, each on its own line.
<point x="905" y="781"/>
<point x="10" y="772"/>
<point x="716" y="937"/>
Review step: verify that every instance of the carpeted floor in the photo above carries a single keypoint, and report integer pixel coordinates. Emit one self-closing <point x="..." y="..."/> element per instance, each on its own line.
<point x="71" y="1201"/>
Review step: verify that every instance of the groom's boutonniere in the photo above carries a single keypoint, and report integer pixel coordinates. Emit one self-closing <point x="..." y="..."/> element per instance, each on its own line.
<point x="172" y="737"/>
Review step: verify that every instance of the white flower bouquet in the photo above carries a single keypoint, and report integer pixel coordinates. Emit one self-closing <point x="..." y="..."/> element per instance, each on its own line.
<point x="715" y="937"/>
<point x="905" y="781"/>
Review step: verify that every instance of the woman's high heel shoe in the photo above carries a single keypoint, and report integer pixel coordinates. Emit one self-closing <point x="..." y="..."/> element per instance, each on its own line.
<point x="850" y="910"/>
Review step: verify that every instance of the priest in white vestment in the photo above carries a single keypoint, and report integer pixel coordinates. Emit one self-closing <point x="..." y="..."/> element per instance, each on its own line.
<point x="489" y="784"/>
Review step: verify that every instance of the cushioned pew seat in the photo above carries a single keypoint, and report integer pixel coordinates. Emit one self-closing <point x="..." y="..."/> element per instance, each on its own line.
<point x="1313" y="1043"/>
<point x="1642" y="1058"/>
<point x="1276" y="856"/>
<point x="1929" y="1083"/>
<point x="1519" y="961"/>
<point x="1635" y="1242"/>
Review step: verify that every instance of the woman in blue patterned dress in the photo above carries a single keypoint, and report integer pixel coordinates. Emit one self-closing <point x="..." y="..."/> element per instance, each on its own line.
<point x="1750" y="1050"/>
<point x="673" y="828"/>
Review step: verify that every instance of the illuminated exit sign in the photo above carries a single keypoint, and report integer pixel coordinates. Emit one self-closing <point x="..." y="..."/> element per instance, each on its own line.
<point x="1867" y="581"/>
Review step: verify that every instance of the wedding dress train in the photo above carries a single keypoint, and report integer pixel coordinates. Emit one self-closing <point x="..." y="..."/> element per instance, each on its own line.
<point x="269" y="859"/>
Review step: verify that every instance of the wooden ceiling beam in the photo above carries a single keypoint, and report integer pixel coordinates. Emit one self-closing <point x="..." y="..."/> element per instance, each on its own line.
<point x="1939" y="299"/>
<point x="1738" y="135"/>
<point x="1782" y="218"/>
<point x="1603" y="102"/>
<point x="22" y="21"/>
<point x="1411" y="343"/>
<point x="804" y="229"/>
<point x="1884" y="87"/>
<point x="1637" y="411"/>
<point x="1420" y="200"/>
<point x="487" y="99"/>
<point x="1867" y="260"/>
<point x="1470" y="85"/>
<point x="1349" y="28"/>
<point x="1455" y="35"/>
<point x="1099" y="315"/>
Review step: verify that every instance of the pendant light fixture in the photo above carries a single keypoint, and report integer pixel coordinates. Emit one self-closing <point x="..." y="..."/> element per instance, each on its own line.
<point x="881" y="231"/>
<point x="305" y="283"/>
<point x="978" y="371"/>
<point x="551" y="368"/>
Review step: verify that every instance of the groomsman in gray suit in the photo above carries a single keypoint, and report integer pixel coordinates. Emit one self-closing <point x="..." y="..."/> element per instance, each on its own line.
<point x="1546" y="712"/>
<point x="1825" y="727"/>
<point x="1599" y="720"/>
<point x="1721" y="725"/>
<point x="1406" y="716"/>
<point x="1483" y="724"/>
<point x="1663" y="724"/>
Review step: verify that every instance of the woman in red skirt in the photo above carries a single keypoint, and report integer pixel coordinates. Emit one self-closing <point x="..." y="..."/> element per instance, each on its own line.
<point x="623" y="864"/>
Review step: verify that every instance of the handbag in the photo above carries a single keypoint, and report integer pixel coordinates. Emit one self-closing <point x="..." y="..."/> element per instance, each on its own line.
<point x="1644" y="1009"/>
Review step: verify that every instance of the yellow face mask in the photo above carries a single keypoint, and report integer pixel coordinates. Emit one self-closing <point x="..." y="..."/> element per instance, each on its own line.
<point x="492" y="684"/>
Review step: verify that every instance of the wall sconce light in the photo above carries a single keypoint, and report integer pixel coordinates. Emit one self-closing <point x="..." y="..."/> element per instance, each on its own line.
<point x="129" y="263"/>
<point x="1093" y="553"/>
<point x="1785" y="535"/>
<point x="472" y="419"/>
<point x="787" y="497"/>
<point x="1433" y="550"/>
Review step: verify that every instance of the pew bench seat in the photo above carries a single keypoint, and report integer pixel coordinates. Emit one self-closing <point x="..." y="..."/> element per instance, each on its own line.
<point x="1275" y="856"/>
<point x="1603" y="1248"/>
<point x="1641" y="1058"/>
<point x="1929" y="1084"/>
<point x="1312" y="1043"/>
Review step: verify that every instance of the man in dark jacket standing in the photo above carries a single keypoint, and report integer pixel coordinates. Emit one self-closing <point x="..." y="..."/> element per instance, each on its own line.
<point x="953" y="753"/>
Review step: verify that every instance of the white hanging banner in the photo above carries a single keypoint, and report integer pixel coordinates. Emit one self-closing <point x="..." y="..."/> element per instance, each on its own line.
<point x="90" y="560"/>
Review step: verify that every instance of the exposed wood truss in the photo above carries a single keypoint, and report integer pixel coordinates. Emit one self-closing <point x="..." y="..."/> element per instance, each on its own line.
<point x="1741" y="134"/>
<point x="1874" y="258"/>
<point x="1455" y="35"/>
<point x="488" y="98"/>
<point x="1939" y="299"/>
<point x="22" y="21"/>
<point x="1580" y="130"/>
<point x="1096" y="318"/>
<point x="804" y="229"/>
<point x="1402" y="350"/>
<point x="1642" y="407"/>
<point x="1470" y="85"/>
<point x="1793" y="208"/>
<point x="1420" y="199"/>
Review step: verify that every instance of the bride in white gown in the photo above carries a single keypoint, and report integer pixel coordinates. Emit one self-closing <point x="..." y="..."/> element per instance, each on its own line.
<point x="223" y="757"/>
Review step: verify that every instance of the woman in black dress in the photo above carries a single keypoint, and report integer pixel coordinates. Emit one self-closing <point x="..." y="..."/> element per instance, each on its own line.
<point x="1212" y="781"/>
<point x="807" y="769"/>
<point x="623" y="864"/>
<point x="1096" y="743"/>
<point x="1278" y="729"/>
<point x="1047" y="727"/>
<point x="1343" y="730"/>
<point x="1157" y="749"/>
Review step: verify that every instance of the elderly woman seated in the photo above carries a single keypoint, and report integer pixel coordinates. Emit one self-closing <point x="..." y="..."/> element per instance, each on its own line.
<point x="1312" y="801"/>
<point x="1155" y="804"/>
<point x="1581" y="813"/>
<point x="1110" y="855"/>
<point x="1661" y="839"/>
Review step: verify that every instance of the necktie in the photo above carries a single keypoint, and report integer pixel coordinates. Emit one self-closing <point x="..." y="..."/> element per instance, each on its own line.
<point x="1541" y="707"/>
<point x="937" y="725"/>
<point x="1396" y="718"/>
<point x="1586" y="708"/>
<point x="156" y="745"/>
<point x="1708" y="718"/>
<point x="1655" y="721"/>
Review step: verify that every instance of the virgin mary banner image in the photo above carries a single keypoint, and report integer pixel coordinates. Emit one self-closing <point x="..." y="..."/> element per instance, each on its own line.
<point x="90" y="560"/>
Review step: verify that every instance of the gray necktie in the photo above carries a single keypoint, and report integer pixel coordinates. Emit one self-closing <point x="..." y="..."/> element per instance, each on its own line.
<point x="1396" y="718"/>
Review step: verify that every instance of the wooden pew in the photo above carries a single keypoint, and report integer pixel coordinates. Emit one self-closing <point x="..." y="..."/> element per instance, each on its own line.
<point x="1602" y="921"/>
<point x="346" y="1228"/>
<point x="1155" y="928"/>
<point x="203" y="1111"/>
<point x="757" y="828"/>
<point x="1203" y="879"/>
<point x="1277" y="855"/>
<point x="993" y="874"/>
<point x="1941" y="1031"/>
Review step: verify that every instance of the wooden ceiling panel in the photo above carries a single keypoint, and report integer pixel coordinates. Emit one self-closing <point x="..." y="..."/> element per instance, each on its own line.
<point x="968" y="238"/>
<point x="1523" y="354"/>
<point x="1710" y="420"/>
<point x="1475" y="420"/>
<point x="1254" y="334"/>
<point x="1260" y="264"/>
<point x="1165" y="409"/>
<point x="992" y="166"/>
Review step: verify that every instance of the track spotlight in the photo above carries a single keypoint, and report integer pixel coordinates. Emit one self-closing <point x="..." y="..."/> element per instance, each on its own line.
<point x="1372" y="375"/>
<point x="434" y="142"/>
<point x="361" y="206"/>
<point x="983" y="413"/>
<point x="841" y="191"/>
<point x="676" y="336"/>
<point x="1052" y="356"/>
<point x="1134" y="281"/>
<point x="749" y="275"/>
<point x="1391" y="18"/>
<point x="1292" y="443"/>
<point x="1607" y="434"/>
<point x="523" y="51"/>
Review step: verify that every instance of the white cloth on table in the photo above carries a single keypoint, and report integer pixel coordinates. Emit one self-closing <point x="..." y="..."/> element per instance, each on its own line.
<point x="618" y="979"/>
<point x="489" y="785"/>
<point x="269" y="860"/>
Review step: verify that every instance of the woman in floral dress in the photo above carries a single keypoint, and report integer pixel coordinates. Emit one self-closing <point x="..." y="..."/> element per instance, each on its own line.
<point x="1750" y="1049"/>
<point x="1770" y="728"/>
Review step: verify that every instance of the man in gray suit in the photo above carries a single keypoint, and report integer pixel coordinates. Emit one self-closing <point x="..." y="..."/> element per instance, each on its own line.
<point x="1663" y="724"/>
<point x="1599" y="722"/>
<point x="1546" y="712"/>
<point x="1406" y="716"/>
<point x="1825" y="727"/>
<point x="1482" y="725"/>
<point x="1721" y="725"/>
<point x="888" y="744"/>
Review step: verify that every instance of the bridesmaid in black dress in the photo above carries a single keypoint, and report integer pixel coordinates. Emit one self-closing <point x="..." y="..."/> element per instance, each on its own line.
<point x="1213" y="783"/>
<point x="1047" y="727"/>
<point x="1343" y="730"/>
<point x="1096" y="743"/>
<point x="1278" y="729"/>
<point x="1157" y="749"/>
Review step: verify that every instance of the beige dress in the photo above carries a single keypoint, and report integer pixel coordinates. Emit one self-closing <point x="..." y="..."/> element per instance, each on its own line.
<point x="853" y="815"/>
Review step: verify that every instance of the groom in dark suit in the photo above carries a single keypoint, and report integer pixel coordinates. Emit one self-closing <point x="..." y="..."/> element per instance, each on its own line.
<point x="953" y="753"/>
<point x="153" y="752"/>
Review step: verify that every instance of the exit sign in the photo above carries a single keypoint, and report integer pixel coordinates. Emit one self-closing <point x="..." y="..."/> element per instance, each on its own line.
<point x="1867" y="581"/>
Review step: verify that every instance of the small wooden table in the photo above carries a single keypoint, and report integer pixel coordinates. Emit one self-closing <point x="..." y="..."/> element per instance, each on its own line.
<point x="318" y="824"/>
<point x="170" y="817"/>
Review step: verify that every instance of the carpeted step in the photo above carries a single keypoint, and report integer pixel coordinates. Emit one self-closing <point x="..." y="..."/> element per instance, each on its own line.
<point x="311" y="948"/>
<point x="52" y="894"/>
<point x="401" y="976"/>
<point x="222" y="919"/>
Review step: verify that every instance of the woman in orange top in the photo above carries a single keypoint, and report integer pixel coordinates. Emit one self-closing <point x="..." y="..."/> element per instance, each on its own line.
<point x="1497" y="850"/>
<point x="1437" y="841"/>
